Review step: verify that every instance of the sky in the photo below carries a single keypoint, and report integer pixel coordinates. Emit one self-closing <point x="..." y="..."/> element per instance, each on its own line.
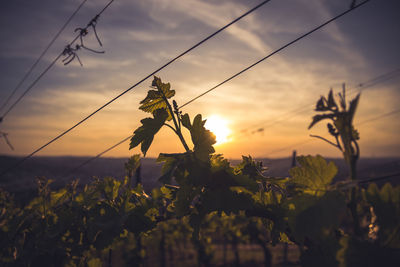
<point x="278" y="95"/>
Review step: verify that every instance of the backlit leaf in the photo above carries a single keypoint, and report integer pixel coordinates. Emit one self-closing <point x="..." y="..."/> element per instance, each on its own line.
<point x="145" y="134"/>
<point x="320" y="117"/>
<point x="321" y="104"/>
<point x="353" y="107"/>
<point x="250" y="167"/>
<point x="156" y="99"/>
<point x="132" y="164"/>
<point x="186" y="121"/>
<point x="171" y="162"/>
<point x="311" y="216"/>
<point x="314" y="174"/>
<point x="202" y="138"/>
<point x="331" y="101"/>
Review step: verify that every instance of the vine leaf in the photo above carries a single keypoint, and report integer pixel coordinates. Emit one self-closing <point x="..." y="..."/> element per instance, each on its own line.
<point x="138" y="220"/>
<point x="320" y="117"/>
<point x="186" y="121"/>
<point x="132" y="164"/>
<point x="312" y="217"/>
<point x="251" y="168"/>
<point x="321" y="105"/>
<point x="353" y="106"/>
<point x="386" y="205"/>
<point x="331" y="101"/>
<point x="171" y="162"/>
<point x="110" y="188"/>
<point x="202" y="138"/>
<point x="155" y="98"/>
<point x="93" y="262"/>
<point x="314" y="175"/>
<point x="227" y="200"/>
<point x="145" y="133"/>
<point x="224" y="176"/>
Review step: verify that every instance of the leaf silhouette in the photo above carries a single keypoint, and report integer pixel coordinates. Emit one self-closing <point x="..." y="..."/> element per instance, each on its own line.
<point x="320" y="117"/>
<point x="145" y="133"/>
<point x="202" y="138"/>
<point x="171" y="162"/>
<point x="155" y="99"/>
<point x="353" y="106"/>
<point x="331" y="101"/>
<point x="314" y="175"/>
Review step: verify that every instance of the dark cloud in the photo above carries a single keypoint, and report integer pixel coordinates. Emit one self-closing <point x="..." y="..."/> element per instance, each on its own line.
<point x="376" y="34"/>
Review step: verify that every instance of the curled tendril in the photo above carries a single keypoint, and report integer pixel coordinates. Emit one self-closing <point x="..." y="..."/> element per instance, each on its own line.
<point x="93" y="24"/>
<point x="4" y="135"/>
<point x="82" y="33"/>
<point x="70" y="54"/>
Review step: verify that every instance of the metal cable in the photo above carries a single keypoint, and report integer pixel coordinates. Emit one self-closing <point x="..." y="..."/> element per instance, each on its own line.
<point x="275" y="52"/>
<point x="237" y="74"/>
<point x="41" y="56"/>
<point x="51" y="65"/>
<point x="136" y="84"/>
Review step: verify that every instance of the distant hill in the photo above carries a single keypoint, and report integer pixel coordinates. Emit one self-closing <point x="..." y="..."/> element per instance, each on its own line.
<point x="21" y="180"/>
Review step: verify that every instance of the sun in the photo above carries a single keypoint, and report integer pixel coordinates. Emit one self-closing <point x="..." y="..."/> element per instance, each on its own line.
<point x="219" y="127"/>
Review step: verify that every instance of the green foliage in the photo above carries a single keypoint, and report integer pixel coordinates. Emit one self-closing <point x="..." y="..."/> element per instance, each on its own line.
<point x="251" y="168"/>
<point x="342" y="128"/>
<point x="202" y="138"/>
<point x="171" y="162"/>
<point x="385" y="205"/>
<point x="314" y="217"/>
<point x="63" y="226"/>
<point x="157" y="99"/>
<point x="204" y="197"/>
<point x="144" y="135"/>
<point x="355" y="252"/>
<point x="314" y="175"/>
<point x="132" y="165"/>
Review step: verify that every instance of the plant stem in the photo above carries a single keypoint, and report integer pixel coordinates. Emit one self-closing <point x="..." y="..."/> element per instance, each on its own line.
<point x="351" y="158"/>
<point x="326" y="140"/>
<point x="172" y="128"/>
<point x="177" y="128"/>
<point x="353" y="198"/>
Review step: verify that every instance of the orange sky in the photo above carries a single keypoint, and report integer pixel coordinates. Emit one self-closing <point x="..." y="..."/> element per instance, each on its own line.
<point x="353" y="50"/>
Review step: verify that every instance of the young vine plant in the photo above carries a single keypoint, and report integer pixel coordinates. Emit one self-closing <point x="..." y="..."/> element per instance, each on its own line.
<point x="204" y="200"/>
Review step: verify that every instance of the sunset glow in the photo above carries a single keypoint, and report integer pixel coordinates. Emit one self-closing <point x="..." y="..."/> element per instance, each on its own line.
<point x="219" y="127"/>
<point x="264" y="111"/>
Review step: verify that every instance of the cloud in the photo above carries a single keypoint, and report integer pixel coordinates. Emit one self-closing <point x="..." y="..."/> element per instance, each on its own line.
<point x="140" y="36"/>
<point x="341" y="43"/>
<point x="210" y="14"/>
